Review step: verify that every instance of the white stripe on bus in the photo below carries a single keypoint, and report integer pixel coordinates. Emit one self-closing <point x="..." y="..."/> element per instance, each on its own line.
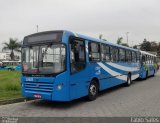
<point x="113" y="73"/>
<point x="118" y="75"/>
<point x="124" y="68"/>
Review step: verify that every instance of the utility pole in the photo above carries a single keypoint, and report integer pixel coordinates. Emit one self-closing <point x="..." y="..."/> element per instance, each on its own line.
<point x="127" y="36"/>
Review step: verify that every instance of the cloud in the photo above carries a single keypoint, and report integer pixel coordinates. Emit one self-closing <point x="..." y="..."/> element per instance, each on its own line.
<point x="112" y="18"/>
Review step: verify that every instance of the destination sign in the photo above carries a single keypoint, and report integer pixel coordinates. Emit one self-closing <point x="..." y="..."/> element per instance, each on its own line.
<point x="43" y="37"/>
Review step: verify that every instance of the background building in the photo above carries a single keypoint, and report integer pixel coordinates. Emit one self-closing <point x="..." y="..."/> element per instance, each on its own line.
<point x="4" y="56"/>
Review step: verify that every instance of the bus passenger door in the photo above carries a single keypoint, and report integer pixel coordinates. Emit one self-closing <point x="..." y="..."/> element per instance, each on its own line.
<point x="78" y="73"/>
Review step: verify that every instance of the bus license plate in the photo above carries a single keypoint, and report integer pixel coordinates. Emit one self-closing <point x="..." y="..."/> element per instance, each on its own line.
<point x="37" y="96"/>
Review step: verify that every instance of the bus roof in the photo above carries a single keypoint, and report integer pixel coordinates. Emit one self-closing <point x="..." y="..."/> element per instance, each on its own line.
<point x="102" y="41"/>
<point x="146" y="53"/>
<point x="84" y="37"/>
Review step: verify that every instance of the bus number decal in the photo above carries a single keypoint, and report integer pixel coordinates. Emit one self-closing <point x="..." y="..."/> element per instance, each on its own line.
<point x="98" y="70"/>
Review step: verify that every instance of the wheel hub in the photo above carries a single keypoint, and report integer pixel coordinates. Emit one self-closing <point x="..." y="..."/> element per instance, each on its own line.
<point x="129" y="81"/>
<point x="93" y="89"/>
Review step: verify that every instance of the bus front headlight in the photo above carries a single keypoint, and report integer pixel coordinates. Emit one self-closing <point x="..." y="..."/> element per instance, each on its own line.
<point x="59" y="87"/>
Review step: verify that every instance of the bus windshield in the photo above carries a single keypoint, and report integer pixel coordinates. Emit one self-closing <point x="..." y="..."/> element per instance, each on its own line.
<point x="44" y="59"/>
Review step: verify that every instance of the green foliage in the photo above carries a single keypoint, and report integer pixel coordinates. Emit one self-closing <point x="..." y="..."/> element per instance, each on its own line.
<point x="150" y="46"/>
<point x="119" y="41"/>
<point x="125" y="44"/>
<point x="135" y="47"/>
<point x="9" y="84"/>
<point x="12" y="87"/>
<point x="146" y="45"/>
<point x="100" y="37"/>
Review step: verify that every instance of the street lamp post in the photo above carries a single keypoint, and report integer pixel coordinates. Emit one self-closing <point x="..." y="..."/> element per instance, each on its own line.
<point x="127" y="36"/>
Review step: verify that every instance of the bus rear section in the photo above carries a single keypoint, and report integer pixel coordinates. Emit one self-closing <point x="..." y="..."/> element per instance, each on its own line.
<point x="148" y="65"/>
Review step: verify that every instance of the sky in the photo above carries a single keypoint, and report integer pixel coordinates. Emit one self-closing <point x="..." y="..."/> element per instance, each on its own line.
<point x="112" y="18"/>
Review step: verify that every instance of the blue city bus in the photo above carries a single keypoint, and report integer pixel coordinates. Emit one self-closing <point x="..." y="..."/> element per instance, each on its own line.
<point x="148" y="65"/>
<point x="63" y="66"/>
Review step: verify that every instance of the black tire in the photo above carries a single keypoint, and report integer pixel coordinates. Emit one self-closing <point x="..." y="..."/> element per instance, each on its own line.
<point x="129" y="80"/>
<point x="93" y="90"/>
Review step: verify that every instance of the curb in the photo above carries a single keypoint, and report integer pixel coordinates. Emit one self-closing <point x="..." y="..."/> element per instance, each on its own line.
<point x="16" y="100"/>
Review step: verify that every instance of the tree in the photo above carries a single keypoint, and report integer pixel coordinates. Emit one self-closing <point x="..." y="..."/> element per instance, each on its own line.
<point x="146" y="46"/>
<point x="158" y="50"/>
<point x="119" y="41"/>
<point x="135" y="47"/>
<point x="125" y="44"/>
<point x="13" y="45"/>
<point x="154" y="46"/>
<point x="100" y="37"/>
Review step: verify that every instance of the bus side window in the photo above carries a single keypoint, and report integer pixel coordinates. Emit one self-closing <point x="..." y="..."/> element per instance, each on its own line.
<point x="94" y="52"/>
<point x="114" y="54"/>
<point x="134" y="57"/>
<point x="122" y="56"/>
<point x="77" y="55"/>
<point x="143" y="59"/>
<point x="128" y="56"/>
<point x="138" y="55"/>
<point x="147" y="60"/>
<point x="155" y="60"/>
<point x="105" y="55"/>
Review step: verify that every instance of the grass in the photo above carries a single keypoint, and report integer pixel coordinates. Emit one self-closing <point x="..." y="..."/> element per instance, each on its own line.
<point x="9" y="84"/>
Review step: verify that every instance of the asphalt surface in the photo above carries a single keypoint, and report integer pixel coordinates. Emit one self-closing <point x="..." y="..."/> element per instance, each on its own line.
<point x="142" y="98"/>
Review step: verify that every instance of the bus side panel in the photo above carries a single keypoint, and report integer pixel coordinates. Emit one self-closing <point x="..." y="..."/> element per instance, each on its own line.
<point x="79" y="81"/>
<point x="61" y="88"/>
<point x="79" y="84"/>
<point x="152" y="69"/>
<point x="142" y="74"/>
<point x="106" y="80"/>
<point x="113" y="74"/>
<point x="147" y="68"/>
<point x="110" y="82"/>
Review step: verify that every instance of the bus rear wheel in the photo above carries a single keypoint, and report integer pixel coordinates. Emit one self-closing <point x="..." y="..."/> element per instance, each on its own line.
<point x="93" y="90"/>
<point x="129" y="80"/>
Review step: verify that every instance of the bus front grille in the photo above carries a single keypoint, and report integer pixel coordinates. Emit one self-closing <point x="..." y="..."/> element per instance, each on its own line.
<point x="38" y="86"/>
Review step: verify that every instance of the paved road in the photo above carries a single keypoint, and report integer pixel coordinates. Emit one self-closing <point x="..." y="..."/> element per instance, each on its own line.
<point x="142" y="98"/>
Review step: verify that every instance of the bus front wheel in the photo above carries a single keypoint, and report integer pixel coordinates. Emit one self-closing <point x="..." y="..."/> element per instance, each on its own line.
<point x="93" y="90"/>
